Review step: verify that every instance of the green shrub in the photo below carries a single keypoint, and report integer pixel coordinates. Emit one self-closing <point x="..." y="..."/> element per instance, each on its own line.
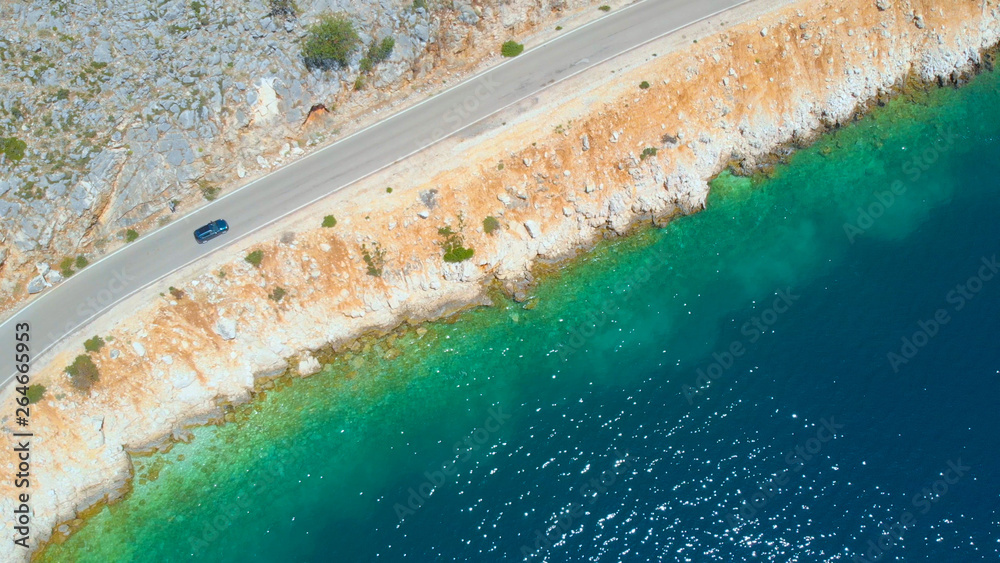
<point x="381" y="50"/>
<point x="66" y="267"/>
<point x="208" y="191"/>
<point x="558" y="28"/>
<point x="511" y="49"/>
<point x="419" y="4"/>
<point x="81" y="262"/>
<point x="359" y="83"/>
<point x="83" y="372"/>
<point x="374" y="259"/>
<point x="30" y="191"/>
<point x="94" y="344"/>
<point x="648" y="152"/>
<point x="458" y="254"/>
<point x="378" y="51"/>
<point x="490" y="225"/>
<point x="177" y="294"/>
<point x="388" y="190"/>
<point x="13" y="147"/>
<point x="452" y="243"/>
<point x="277" y="294"/>
<point x="131" y="235"/>
<point x="35" y="393"/>
<point x="330" y="42"/>
<point x="255" y="257"/>
<point x="329" y="221"/>
<point x="644" y="85"/>
<point x="197" y="6"/>
<point x="605" y="8"/>
<point x="62" y="94"/>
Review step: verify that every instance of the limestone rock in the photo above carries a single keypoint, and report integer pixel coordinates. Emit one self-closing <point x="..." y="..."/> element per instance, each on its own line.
<point x="226" y="328"/>
<point x="36" y="285"/>
<point x="308" y="365"/>
<point x="182" y="377"/>
<point x="265" y="363"/>
<point x="533" y="228"/>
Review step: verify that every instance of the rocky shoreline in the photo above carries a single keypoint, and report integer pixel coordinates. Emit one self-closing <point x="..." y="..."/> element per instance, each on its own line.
<point x="590" y="157"/>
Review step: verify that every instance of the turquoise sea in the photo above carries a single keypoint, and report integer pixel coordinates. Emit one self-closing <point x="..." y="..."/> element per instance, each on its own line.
<point x="807" y="370"/>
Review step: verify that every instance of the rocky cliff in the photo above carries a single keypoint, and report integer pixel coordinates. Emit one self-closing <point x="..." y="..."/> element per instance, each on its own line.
<point x="130" y="111"/>
<point x="636" y="137"/>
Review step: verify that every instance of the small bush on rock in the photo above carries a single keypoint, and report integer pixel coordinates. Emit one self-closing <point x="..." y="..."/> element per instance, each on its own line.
<point x="511" y="49"/>
<point x="330" y="42"/>
<point x="490" y="225"/>
<point x="83" y="373"/>
<point x="255" y="257"/>
<point x="94" y="344"/>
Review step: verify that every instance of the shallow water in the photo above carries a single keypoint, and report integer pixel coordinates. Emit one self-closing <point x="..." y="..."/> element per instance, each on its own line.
<point x="718" y="390"/>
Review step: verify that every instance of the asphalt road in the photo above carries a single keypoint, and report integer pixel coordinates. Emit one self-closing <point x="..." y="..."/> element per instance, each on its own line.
<point x="96" y="289"/>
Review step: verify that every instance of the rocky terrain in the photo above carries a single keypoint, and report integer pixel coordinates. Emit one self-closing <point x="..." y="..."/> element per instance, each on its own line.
<point x="637" y="137"/>
<point x="128" y="111"/>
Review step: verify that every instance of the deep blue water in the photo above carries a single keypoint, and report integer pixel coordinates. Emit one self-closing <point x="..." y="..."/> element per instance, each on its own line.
<point x="808" y="443"/>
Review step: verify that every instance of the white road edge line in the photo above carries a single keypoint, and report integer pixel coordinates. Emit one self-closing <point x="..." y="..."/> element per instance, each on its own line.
<point x="330" y="146"/>
<point x="376" y="171"/>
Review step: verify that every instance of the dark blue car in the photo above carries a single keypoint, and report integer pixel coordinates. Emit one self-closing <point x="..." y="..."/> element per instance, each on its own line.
<point x="210" y="231"/>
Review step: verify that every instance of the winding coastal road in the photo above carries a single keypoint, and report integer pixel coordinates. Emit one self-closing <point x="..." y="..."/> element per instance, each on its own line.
<point x="95" y="290"/>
